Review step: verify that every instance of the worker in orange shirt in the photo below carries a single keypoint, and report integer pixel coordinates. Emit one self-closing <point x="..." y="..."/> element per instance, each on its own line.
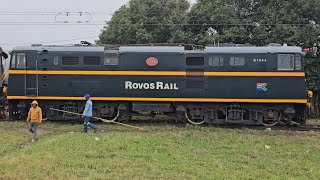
<point x="34" y="119"/>
<point x="310" y="94"/>
<point x="310" y="104"/>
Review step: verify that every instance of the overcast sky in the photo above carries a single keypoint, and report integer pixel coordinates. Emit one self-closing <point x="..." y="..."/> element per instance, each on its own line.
<point x="15" y="34"/>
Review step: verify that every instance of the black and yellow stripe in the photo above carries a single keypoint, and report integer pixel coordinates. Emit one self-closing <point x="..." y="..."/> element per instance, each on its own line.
<point x="157" y="73"/>
<point x="209" y="100"/>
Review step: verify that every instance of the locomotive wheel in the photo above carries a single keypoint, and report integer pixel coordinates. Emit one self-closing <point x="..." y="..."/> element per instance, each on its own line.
<point x="195" y="122"/>
<point x="124" y="117"/>
<point x="271" y="118"/>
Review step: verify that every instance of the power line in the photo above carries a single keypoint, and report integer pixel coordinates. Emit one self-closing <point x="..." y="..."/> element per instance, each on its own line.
<point x="95" y="13"/>
<point x="51" y="24"/>
<point x="53" y="13"/>
<point x="91" y="12"/>
<point x="81" y="23"/>
<point x="57" y="41"/>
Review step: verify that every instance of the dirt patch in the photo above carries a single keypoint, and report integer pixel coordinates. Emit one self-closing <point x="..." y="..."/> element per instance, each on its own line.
<point x="313" y="122"/>
<point x="40" y="131"/>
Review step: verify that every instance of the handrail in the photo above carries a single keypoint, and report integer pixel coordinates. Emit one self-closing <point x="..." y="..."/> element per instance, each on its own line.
<point x="37" y="79"/>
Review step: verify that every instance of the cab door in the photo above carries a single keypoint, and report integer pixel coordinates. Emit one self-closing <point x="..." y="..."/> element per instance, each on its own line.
<point x="196" y="81"/>
<point x="29" y="62"/>
<point x="24" y="66"/>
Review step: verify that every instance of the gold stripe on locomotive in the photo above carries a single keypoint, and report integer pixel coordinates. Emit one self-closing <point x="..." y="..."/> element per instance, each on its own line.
<point x="158" y="73"/>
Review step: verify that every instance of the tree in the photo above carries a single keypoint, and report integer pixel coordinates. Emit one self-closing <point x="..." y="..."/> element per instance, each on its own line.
<point x="257" y="22"/>
<point x="221" y="15"/>
<point x="148" y="21"/>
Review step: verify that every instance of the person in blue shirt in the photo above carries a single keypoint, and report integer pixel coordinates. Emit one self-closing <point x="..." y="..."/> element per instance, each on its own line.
<point x="87" y="115"/>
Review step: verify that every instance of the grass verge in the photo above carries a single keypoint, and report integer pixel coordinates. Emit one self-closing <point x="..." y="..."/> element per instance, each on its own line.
<point x="165" y="152"/>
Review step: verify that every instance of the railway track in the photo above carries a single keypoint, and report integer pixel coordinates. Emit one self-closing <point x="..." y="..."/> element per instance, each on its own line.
<point x="279" y="128"/>
<point x="273" y="128"/>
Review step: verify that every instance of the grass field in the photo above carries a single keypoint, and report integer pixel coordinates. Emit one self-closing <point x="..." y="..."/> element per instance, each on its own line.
<point x="165" y="152"/>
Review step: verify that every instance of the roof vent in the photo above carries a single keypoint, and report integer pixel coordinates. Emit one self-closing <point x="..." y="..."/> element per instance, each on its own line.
<point x="231" y="45"/>
<point x="274" y="44"/>
<point x="85" y="43"/>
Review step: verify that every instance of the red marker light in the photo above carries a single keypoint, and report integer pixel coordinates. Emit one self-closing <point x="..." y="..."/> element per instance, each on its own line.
<point x="152" y="61"/>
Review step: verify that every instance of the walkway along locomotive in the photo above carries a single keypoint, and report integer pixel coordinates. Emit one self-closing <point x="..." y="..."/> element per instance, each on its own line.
<point x="217" y="85"/>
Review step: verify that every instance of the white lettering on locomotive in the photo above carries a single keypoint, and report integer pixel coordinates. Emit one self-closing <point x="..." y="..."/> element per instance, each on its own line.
<point x="259" y="60"/>
<point x="151" y="86"/>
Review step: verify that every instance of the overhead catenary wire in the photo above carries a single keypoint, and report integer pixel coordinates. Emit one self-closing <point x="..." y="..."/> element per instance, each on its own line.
<point x="147" y="24"/>
<point x="153" y="12"/>
<point x="57" y="41"/>
<point x="30" y="13"/>
<point x="189" y="22"/>
<point x="125" y="24"/>
<point x="306" y="21"/>
<point x="160" y="12"/>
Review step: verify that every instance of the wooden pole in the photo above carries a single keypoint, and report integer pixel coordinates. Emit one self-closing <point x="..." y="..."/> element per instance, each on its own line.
<point x="104" y="120"/>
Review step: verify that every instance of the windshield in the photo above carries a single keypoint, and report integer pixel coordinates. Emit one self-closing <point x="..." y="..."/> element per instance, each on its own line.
<point x="1" y="55"/>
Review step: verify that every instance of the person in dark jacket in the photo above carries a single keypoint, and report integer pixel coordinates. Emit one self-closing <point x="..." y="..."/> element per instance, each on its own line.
<point x="87" y="115"/>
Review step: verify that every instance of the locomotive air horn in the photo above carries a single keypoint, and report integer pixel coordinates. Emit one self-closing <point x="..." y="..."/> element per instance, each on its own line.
<point x="104" y="120"/>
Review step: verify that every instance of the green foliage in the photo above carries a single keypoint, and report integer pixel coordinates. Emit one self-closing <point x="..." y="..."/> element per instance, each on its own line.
<point x="312" y="69"/>
<point x="257" y="22"/>
<point x="221" y="16"/>
<point x="146" y="21"/>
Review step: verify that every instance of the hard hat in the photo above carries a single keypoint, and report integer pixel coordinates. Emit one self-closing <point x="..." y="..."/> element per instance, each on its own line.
<point x="87" y="96"/>
<point x="35" y="102"/>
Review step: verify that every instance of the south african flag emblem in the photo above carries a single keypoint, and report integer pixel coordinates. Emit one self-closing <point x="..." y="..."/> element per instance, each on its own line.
<point x="262" y="87"/>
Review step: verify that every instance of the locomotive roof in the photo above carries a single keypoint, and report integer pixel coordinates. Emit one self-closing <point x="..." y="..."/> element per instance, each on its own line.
<point x="60" y="48"/>
<point x="177" y="49"/>
<point x="265" y="49"/>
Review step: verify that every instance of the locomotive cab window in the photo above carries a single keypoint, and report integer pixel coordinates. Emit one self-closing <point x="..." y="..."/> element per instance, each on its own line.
<point x="21" y="61"/>
<point x="237" y="61"/>
<point x="298" y="62"/>
<point x="286" y="62"/>
<point x="216" y="61"/>
<point x="13" y="61"/>
<point x="111" y="59"/>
